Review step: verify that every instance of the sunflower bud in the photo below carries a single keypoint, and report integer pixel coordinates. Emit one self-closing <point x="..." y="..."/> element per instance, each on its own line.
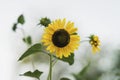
<point x="45" y="21"/>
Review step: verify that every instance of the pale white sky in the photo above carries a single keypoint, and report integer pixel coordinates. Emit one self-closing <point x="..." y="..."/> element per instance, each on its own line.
<point x="101" y="17"/>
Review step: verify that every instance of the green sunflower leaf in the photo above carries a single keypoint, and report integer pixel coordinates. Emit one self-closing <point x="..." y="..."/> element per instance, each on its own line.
<point x="28" y="40"/>
<point x="84" y="70"/>
<point x="80" y="75"/>
<point x="14" y="27"/>
<point x="21" y="19"/>
<point x="69" y="59"/>
<point x="35" y="74"/>
<point x="32" y="50"/>
<point x="64" y="78"/>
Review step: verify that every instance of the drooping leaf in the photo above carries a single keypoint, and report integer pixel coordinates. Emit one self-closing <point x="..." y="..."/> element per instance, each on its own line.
<point x="21" y="19"/>
<point x="14" y="27"/>
<point x="69" y="59"/>
<point x="32" y="50"/>
<point x="64" y="78"/>
<point x="35" y="74"/>
<point x="81" y="74"/>
<point x="77" y="77"/>
<point x="83" y="71"/>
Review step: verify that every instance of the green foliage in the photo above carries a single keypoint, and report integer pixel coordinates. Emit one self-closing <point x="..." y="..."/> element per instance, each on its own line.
<point x="45" y="21"/>
<point x="64" y="78"/>
<point x="118" y="74"/>
<point x="24" y="40"/>
<point x="21" y="19"/>
<point x="14" y="27"/>
<point x="35" y="74"/>
<point x="74" y="34"/>
<point x="38" y="48"/>
<point x="69" y="59"/>
<point x="80" y="75"/>
<point x="118" y="60"/>
<point x="32" y="50"/>
<point x="83" y="71"/>
<point x="91" y="37"/>
<point x="28" y="40"/>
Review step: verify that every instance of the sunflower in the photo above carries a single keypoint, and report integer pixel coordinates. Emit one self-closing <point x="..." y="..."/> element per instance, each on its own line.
<point x="60" y="38"/>
<point x="95" y="43"/>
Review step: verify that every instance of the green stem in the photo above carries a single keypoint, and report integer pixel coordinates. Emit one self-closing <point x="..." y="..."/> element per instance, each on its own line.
<point x="84" y="41"/>
<point x="48" y="77"/>
<point x="23" y="32"/>
<point x="33" y="66"/>
<point x="50" y="67"/>
<point x="24" y="36"/>
<point x="54" y="62"/>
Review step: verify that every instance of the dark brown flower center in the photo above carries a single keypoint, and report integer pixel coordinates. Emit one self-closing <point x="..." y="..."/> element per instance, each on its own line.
<point x="95" y="43"/>
<point x="61" y="38"/>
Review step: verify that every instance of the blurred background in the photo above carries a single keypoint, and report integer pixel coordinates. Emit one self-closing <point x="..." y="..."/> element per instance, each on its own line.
<point x="100" y="17"/>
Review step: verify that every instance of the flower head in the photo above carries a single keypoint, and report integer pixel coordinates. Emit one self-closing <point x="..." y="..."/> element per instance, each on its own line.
<point x="95" y="43"/>
<point x="60" y="39"/>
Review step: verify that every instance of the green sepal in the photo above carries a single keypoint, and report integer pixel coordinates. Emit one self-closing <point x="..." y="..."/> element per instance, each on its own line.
<point x="74" y="34"/>
<point x="91" y="37"/>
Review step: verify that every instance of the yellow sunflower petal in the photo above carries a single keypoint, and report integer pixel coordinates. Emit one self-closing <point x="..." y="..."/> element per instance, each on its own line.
<point x="47" y="36"/>
<point x="95" y="38"/>
<point x="51" y="48"/>
<point x="98" y="49"/>
<point x="73" y="30"/>
<point x="51" y="27"/>
<point x="75" y="38"/>
<point x="65" y="53"/>
<point x="63" y="22"/>
<point x="69" y="25"/>
<point x="45" y="41"/>
<point x="94" y="49"/>
<point x="59" y="53"/>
